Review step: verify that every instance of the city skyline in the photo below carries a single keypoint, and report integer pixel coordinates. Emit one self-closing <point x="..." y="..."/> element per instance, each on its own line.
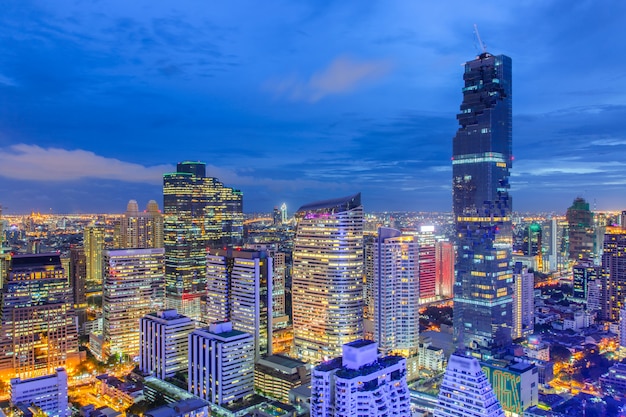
<point x="300" y="102"/>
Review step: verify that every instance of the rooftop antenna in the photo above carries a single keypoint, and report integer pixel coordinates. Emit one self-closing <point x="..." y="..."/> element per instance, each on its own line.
<point x="480" y="42"/>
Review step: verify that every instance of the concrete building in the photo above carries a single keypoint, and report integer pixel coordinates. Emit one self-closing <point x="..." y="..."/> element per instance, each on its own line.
<point x="444" y="264"/>
<point x="93" y="242"/>
<point x="614" y="382"/>
<point x="47" y="392"/>
<point x="221" y="364"/>
<point x="622" y="328"/>
<point x="191" y="407"/>
<point x="141" y="229"/>
<point x="430" y="357"/>
<point x="327" y="290"/>
<point x="523" y="302"/>
<point x="360" y="384"/>
<point x="276" y="375"/>
<point x="163" y="346"/>
<point x="465" y="390"/>
<point x="516" y="385"/>
<point x="133" y="287"/>
<point x="240" y="290"/>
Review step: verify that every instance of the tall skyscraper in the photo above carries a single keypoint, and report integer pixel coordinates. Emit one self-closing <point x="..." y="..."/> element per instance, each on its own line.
<point x="614" y="279"/>
<point x="93" y="241"/>
<point x="481" y="163"/>
<point x="444" y="268"/>
<point x="396" y="292"/>
<point x="199" y="212"/>
<point x="38" y="325"/>
<point x="581" y="234"/>
<point x="78" y="275"/>
<point x="427" y="263"/>
<point x="523" y="302"/>
<point x="133" y="287"/>
<point x="141" y="229"/>
<point x="327" y="283"/>
<point x="239" y="290"/>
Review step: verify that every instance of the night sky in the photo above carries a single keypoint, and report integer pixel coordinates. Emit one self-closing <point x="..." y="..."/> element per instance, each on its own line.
<point x="297" y="101"/>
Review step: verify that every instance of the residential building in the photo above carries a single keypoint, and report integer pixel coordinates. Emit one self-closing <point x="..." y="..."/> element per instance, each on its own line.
<point x="583" y="273"/>
<point x="465" y="390"/>
<point x="327" y="281"/>
<point x="38" y="323"/>
<point x="430" y="357"/>
<point x="614" y="381"/>
<point x="93" y="242"/>
<point x="523" y="302"/>
<point x="481" y="165"/>
<point x="427" y="260"/>
<point x="614" y="265"/>
<point x="141" y="229"/>
<point x="48" y="392"/>
<point x="133" y="287"/>
<point x="516" y="385"/>
<point x="221" y="364"/>
<point x="239" y="290"/>
<point x="198" y="212"/>
<point x="444" y="265"/>
<point x="163" y="345"/>
<point x="360" y="384"/>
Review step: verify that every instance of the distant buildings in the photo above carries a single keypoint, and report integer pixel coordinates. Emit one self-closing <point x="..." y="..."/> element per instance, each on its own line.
<point x="221" y="364"/>
<point x="38" y="323"/>
<point x="133" y="287"/>
<point x="584" y="275"/>
<point x="327" y="288"/>
<point x="199" y="212"/>
<point x="141" y="229"/>
<point x="163" y="346"/>
<point x="581" y="234"/>
<point x="239" y="290"/>
<point x="481" y="163"/>
<point x="93" y="242"/>
<point x="465" y="390"/>
<point x="614" y="265"/>
<point x="48" y="392"/>
<point x="360" y="384"/>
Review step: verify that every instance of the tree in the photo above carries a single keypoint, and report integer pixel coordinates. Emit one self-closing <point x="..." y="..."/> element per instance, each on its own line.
<point x="560" y="353"/>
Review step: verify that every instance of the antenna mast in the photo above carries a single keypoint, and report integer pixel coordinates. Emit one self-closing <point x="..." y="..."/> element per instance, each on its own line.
<point x="480" y="42"/>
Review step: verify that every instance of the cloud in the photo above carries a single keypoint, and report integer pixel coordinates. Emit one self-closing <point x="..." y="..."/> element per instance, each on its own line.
<point x="343" y="75"/>
<point x="32" y="162"/>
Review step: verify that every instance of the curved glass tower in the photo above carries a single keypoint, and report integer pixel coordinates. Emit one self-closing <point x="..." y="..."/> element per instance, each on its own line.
<point x="327" y="288"/>
<point x="482" y="207"/>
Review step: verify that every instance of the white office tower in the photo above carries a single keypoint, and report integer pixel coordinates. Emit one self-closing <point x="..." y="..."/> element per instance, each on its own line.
<point x="46" y="392"/>
<point x="622" y="329"/>
<point x="221" y="364"/>
<point x="327" y="290"/>
<point x="134" y="285"/>
<point x="395" y="290"/>
<point x="360" y="384"/>
<point x="164" y="343"/>
<point x="466" y="391"/>
<point x="523" y="302"/>
<point x="239" y="290"/>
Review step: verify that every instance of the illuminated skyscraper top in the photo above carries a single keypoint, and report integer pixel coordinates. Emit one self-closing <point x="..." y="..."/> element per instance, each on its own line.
<point x="482" y="206"/>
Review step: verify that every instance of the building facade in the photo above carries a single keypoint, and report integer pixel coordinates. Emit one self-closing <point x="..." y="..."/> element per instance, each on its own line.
<point x="360" y="384"/>
<point x="523" y="302"/>
<point x="133" y="287"/>
<point x="93" y="241"/>
<point x="580" y="230"/>
<point x="481" y="166"/>
<point x="141" y="229"/>
<point x="327" y="280"/>
<point x="614" y="280"/>
<point x="48" y="392"/>
<point x="276" y="375"/>
<point x="38" y="324"/>
<point x="221" y="364"/>
<point x="163" y="344"/>
<point x="396" y="292"/>
<point x="199" y="212"/>
<point x="444" y="261"/>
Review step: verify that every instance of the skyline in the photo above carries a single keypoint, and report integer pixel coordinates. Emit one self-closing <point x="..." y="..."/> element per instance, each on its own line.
<point x="301" y="102"/>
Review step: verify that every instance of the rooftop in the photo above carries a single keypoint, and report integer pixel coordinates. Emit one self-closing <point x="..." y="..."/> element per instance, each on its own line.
<point x="336" y="204"/>
<point x="379" y="365"/>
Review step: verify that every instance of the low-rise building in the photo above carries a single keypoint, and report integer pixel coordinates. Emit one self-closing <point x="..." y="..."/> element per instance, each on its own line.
<point x="191" y="407"/>
<point x="276" y="375"/>
<point x="49" y="393"/>
<point x="430" y="357"/>
<point x="614" y="381"/>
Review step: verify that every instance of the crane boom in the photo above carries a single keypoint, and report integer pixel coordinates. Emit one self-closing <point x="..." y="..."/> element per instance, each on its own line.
<point x="482" y="45"/>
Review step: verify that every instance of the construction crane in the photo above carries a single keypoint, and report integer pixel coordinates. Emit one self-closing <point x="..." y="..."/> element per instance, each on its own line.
<point x="480" y="42"/>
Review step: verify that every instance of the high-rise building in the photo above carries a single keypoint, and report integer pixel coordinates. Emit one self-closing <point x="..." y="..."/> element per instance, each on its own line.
<point x="48" y="392"/>
<point x="239" y="290"/>
<point x="427" y="263"/>
<point x="444" y="266"/>
<point x="327" y="282"/>
<point x="622" y="329"/>
<point x="516" y="385"/>
<point x="78" y="275"/>
<point x="283" y="213"/>
<point x="583" y="274"/>
<point x="481" y="163"/>
<point x="276" y="375"/>
<point x="141" y="229"/>
<point x="38" y="325"/>
<point x="163" y="344"/>
<point x="199" y="212"/>
<point x="93" y="241"/>
<point x="133" y="287"/>
<point x="360" y="384"/>
<point x="221" y="364"/>
<point x="465" y="390"/>
<point x="614" y="265"/>
<point x="396" y="292"/>
<point x="580" y="230"/>
<point x="523" y="302"/>
<point x="554" y="243"/>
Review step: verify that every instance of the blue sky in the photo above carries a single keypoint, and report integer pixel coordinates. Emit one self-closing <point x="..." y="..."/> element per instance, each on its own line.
<point x="297" y="101"/>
